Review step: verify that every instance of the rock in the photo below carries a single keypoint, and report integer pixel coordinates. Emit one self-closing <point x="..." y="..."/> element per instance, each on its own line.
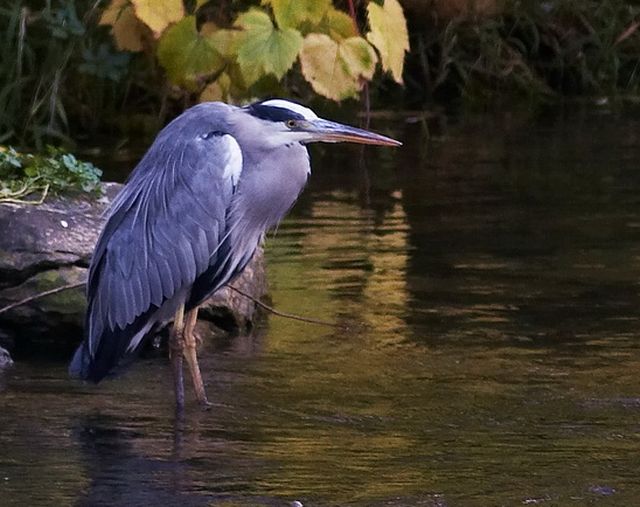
<point x="5" y="358"/>
<point x="49" y="246"/>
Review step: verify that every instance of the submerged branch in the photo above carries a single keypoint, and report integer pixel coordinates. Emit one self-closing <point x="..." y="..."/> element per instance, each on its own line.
<point x="41" y="295"/>
<point x="242" y="293"/>
<point x="283" y="314"/>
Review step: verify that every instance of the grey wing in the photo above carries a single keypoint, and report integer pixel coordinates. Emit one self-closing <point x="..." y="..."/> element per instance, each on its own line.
<point x="165" y="227"/>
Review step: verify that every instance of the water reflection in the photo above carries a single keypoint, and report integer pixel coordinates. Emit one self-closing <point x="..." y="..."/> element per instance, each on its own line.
<point x="486" y="281"/>
<point x="120" y="476"/>
<point x="123" y="466"/>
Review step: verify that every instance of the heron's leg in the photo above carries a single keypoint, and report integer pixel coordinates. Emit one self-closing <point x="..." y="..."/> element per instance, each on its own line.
<point x="176" y="351"/>
<point x="191" y="355"/>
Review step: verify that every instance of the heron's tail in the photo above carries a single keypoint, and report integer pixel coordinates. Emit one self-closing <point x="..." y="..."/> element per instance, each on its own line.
<point x="79" y="366"/>
<point x="116" y="349"/>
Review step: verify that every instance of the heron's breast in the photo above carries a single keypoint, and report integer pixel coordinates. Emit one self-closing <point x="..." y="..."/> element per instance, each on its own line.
<point x="271" y="186"/>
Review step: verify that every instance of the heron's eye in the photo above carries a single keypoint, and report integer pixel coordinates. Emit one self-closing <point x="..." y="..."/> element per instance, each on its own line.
<point x="291" y="123"/>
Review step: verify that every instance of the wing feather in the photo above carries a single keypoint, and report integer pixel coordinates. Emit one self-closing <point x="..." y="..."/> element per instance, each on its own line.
<point x="162" y="234"/>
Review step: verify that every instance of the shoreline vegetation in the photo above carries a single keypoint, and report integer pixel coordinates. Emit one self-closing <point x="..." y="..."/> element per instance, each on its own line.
<point x="76" y="71"/>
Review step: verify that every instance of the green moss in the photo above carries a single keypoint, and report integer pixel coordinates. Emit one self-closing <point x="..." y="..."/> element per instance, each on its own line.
<point x="71" y="301"/>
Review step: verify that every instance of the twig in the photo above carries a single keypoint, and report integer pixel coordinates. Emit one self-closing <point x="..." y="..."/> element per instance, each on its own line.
<point x="628" y="32"/>
<point x="352" y="13"/>
<point x="242" y="293"/>
<point x="17" y="196"/>
<point x="284" y="314"/>
<point x="41" y="295"/>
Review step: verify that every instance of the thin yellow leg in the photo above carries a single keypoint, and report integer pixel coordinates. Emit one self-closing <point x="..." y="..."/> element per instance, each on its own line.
<point x="191" y="355"/>
<point x="176" y="351"/>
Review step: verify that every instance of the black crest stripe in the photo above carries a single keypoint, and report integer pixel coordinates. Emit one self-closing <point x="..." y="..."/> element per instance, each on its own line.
<point x="272" y="113"/>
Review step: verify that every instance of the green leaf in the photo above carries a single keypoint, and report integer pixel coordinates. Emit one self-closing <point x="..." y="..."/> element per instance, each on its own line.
<point x="54" y="171"/>
<point x="389" y="35"/>
<point x="337" y="69"/>
<point x="291" y="13"/>
<point x="186" y="55"/>
<point x="225" y="42"/>
<point x="9" y="158"/>
<point x="337" y="25"/>
<point x="264" y="49"/>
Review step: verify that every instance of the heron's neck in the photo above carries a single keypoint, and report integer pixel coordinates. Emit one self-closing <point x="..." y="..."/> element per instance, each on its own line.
<point x="271" y="182"/>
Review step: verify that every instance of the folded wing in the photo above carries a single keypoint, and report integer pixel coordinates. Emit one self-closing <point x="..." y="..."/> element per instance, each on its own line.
<point x="164" y="231"/>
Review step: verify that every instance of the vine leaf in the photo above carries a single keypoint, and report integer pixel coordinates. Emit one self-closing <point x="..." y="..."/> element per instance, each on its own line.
<point x="291" y="13"/>
<point x="126" y="28"/>
<point x="186" y="55"/>
<point x="220" y="89"/>
<point x="158" y="14"/>
<point x="336" y="69"/>
<point x="337" y="25"/>
<point x="225" y="41"/>
<point x="389" y="35"/>
<point x="264" y="49"/>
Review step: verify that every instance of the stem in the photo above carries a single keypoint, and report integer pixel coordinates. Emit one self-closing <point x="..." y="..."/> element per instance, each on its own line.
<point x="284" y="314"/>
<point x="242" y="293"/>
<point x="16" y="197"/>
<point x="352" y="13"/>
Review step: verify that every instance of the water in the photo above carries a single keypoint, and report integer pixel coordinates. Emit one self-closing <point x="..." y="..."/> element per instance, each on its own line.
<point x="488" y="285"/>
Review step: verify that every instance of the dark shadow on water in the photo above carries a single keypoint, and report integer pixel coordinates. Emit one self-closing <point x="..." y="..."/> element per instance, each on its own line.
<point x="120" y="476"/>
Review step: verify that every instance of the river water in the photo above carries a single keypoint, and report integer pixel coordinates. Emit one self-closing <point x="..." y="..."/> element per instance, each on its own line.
<point x="485" y="276"/>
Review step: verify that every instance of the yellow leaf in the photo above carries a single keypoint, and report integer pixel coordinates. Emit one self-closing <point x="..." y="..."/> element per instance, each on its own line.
<point x="336" y="69"/>
<point x="358" y="56"/>
<point x="111" y="14"/>
<point x="127" y="30"/>
<point x="158" y="14"/>
<point x="337" y="25"/>
<point x="291" y="13"/>
<point x="218" y="90"/>
<point x="389" y="35"/>
<point x="208" y="27"/>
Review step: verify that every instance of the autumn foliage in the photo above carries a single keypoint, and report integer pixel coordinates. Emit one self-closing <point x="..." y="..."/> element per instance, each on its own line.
<point x="225" y="62"/>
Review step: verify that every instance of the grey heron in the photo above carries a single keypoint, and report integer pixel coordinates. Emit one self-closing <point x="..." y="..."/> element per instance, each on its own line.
<point x="188" y="221"/>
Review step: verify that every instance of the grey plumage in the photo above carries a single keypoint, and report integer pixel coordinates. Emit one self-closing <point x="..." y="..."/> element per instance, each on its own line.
<point x="190" y="217"/>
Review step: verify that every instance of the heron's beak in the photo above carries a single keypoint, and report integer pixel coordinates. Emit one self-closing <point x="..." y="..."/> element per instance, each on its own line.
<point x="332" y="132"/>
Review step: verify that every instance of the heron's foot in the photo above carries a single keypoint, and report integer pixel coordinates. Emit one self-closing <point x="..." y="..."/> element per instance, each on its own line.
<point x="198" y="385"/>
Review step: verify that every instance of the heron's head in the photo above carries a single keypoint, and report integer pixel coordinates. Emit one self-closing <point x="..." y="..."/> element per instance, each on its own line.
<point x="286" y="122"/>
